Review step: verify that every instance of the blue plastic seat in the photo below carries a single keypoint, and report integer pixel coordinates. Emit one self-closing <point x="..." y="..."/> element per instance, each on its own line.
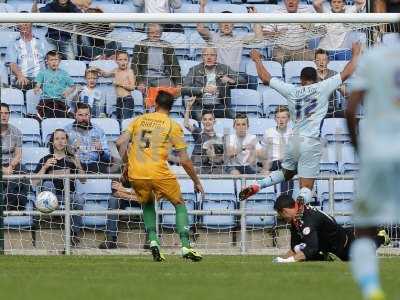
<point x="260" y="221"/>
<point x="335" y="130"/>
<point x="271" y="100"/>
<point x="293" y="69"/>
<point x="329" y="159"/>
<point x="30" y="130"/>
<point x="19" y="222"/>
<point x="248" y="101"/>
<point x="31" y="157"/>
<point x="15" y="99"/>
<point x="50" y="124"/>
<point x="110" y="127"/>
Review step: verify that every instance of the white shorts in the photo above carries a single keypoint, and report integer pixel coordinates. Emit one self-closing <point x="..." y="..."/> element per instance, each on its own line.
<point x="303" y="154"/>
<point x="378" y="200"/>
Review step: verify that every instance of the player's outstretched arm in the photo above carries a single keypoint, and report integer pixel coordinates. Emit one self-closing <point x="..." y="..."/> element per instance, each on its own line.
<point x="262" y="72"/>
<point x="187" y="164"/>
<point x="351" y="65"/>
<point x="356" y="98"/>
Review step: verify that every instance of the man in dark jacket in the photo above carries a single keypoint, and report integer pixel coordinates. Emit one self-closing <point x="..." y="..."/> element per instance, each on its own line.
<point x="210" y="82"/>
<point x="154" y="62"/>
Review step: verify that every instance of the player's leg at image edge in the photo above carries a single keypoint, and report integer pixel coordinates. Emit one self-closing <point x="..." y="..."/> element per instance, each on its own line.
<point x="149" y="217"/>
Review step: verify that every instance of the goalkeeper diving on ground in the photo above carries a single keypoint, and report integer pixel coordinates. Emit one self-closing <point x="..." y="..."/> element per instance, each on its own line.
<point x="308" y="105"/>
<point x="315" y="235"/>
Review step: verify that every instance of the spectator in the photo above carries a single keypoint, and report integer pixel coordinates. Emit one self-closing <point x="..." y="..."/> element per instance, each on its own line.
<point x="82" y="5"/>
<point x="26" y="57"/>
<point x="88" y="141"/>
<point x="241" y="148"/>
<point x="54" y="85"/>
<point x="61" y="40"/>
<point x="208" y="152"/>
<point x="335" y="108"/>
<point x="229" y="45"/>
<point x="155" y="64"/>
<point x="60" y="162"/>
<point x="389" y="6"/>
<point x="272" y="145"/>
<point x="91" y="94"/>
<point x="163" y="7"/>
<point x="122" y="197"/>
<point x="337" y="35"/>
<point x="124" y="83"/>
<point x="210" y="82"/>
<point x="14" y="191"/>
<point x="291" y="40"/>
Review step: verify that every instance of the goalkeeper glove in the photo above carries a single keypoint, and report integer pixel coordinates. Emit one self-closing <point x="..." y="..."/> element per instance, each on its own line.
<point x="280" y="260"/>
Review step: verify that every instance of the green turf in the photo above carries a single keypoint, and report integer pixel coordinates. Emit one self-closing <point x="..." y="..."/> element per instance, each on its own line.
<point x="216" y="277"/>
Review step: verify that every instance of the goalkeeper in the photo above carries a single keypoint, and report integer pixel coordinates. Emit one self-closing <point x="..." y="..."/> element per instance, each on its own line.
<point x="315" y="235"/>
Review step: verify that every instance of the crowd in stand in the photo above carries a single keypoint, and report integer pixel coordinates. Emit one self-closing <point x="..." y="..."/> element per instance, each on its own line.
<point x="82" y="146"/>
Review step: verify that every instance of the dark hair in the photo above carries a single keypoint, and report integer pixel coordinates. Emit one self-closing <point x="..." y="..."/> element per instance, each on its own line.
<point x="81" y="105"/>
<point x="321" y="51"/>
<point x="226" y="12"/>
<point x="281" y="109"/>
<point x="207" y="112"/>
<point x="51" y="142"/>
<point x="119" y="52"/>
<point x="91" y="71"/>
<point x="5" y="105"/>
<point x="309" y="74"/>
<point x="165" y="100"/>
<point x="51" y="53"/>
<point x="284" y="201"/>
<point x="241" y="116"/>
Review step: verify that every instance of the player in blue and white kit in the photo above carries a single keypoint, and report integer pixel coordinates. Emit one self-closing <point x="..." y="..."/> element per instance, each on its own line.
<point x="377" y="85"/>
<point x="308" y="105"/>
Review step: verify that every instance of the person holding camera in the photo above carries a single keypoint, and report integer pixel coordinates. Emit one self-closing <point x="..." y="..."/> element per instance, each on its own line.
<point x="208" y="152"/>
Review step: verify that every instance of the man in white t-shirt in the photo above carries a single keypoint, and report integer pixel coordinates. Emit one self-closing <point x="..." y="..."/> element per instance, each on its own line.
<point x="290" y="40"/>
<point x="377" y="86"/>
<point x="337" y="34"/>
<point x="308" y="105"/>
<point x="241" y="148"/>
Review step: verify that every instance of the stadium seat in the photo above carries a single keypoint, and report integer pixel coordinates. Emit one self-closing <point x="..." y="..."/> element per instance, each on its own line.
<point x="293" y="69"/>
<point x="3" y="75"/>
<point x="32" y="100"/>
<point x="260" y="206"/>
<point x="128" y="39"/>
<point x="75" y="68"/>
<point x="219" y="194"/>
<point x="29" y="128"/>
<point x="111" y="100"/>
<point x="186" y="64"/>
<point x="179" y="42"/>
<point x="339" y="54"/>
<point x="96" y="193"/>
<point x="337" y="65"/>
<point x="266" y="8"/>
<point x="117" y="8"/>
<point x="125" y="123"/>
<point x="15" y="99"/>
<point x="348" y="162"/>
<point x="7" y="8"/>
<point x="271" y="100"/>
<point x="31" y="157"/>
<point x="187" y="133"/>
<point x="329" y="159"/>
<point x="258" y="126"/>
<point x="105" y="65"/>
<point x="248" y="101"/>
<point x="19" y="222"/>
<point x="223" y="126"/>
<point x="335" y="130"/>
<point x="109" y="126"/>
<point x="273" y="67"/>
<point x="6" y="37"/>
<point x="390" y="38"/>
<point x="215" y="7"/>
<point x="49" y="125"/>
<point x="168" y="220"/>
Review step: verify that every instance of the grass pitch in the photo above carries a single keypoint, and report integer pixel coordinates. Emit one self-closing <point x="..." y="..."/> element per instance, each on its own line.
<point x="216" y="277"/>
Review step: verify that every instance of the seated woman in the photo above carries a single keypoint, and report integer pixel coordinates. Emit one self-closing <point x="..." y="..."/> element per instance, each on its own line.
<point x="60" y="161"/>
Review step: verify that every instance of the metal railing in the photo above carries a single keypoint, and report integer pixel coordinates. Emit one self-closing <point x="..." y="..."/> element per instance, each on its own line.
<point x="242" y="212"/>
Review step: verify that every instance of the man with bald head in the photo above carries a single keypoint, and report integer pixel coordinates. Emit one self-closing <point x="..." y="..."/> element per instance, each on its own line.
<point x="210" y="82"/>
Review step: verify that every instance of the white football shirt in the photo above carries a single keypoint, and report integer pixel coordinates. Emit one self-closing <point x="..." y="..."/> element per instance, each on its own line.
<point x="378" y="74"/>
<point x="307" y="105"/>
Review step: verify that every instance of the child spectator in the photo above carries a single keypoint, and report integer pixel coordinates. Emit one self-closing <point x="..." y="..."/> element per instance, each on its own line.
<point x="241" y="148"/>
<point x="124" y="83"/>
<point x="55" y="85"/>
<point x="91" y="95"/>
<point x="208" y="152"/>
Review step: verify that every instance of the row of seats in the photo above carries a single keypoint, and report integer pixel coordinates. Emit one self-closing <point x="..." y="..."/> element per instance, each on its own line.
<point x="220" y="195"/>
<point x="333" y="130"/>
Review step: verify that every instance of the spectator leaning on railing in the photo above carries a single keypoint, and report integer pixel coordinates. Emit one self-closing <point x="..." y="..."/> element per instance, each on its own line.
<point x="15" y="190"/>
<point x="208" y="152"/>
<point x="25" y="57"/>
<point x="210" y="83"/>
<point x="89" y="141"/>
<point x="61" y="161"/>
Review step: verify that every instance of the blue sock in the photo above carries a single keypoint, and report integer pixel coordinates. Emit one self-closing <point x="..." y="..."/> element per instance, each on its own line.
<point x="272" y="179"/>
<point x="364" y="265"/>
<point x="306" y="194"/>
